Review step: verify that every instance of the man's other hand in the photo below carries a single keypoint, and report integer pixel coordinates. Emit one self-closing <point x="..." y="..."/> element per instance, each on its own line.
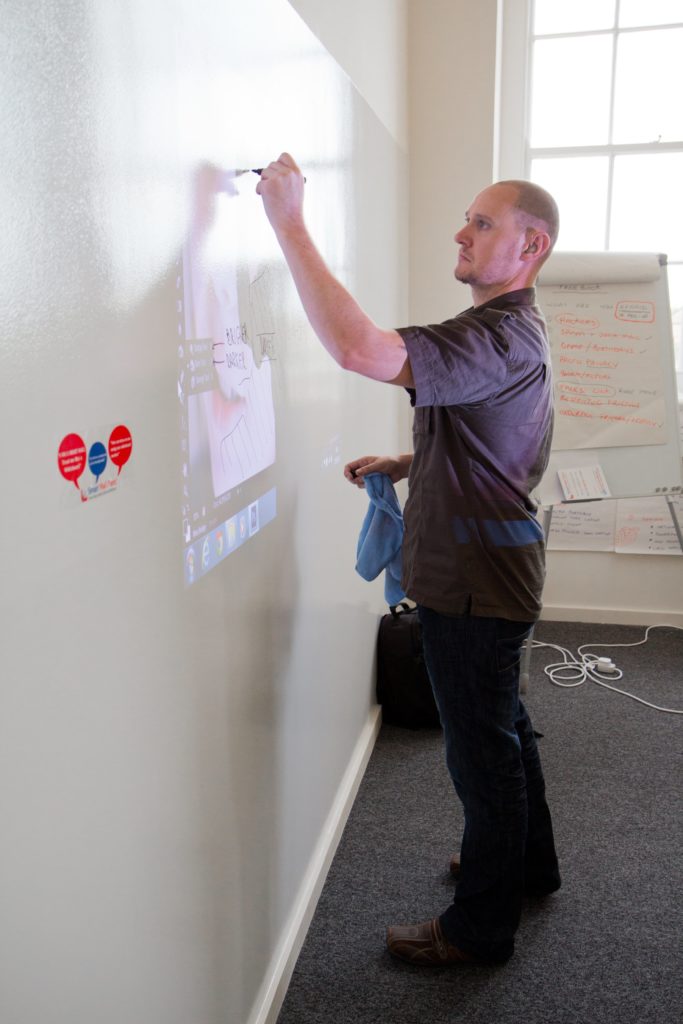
<point x="396" y="468"/>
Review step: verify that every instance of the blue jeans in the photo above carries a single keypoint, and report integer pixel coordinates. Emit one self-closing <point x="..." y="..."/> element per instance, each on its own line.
<point x="491" y="753"/>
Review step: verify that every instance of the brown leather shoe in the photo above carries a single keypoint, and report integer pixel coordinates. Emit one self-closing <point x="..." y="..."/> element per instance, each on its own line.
<point x="425" y="945"/>
<point x="454" y="866"/>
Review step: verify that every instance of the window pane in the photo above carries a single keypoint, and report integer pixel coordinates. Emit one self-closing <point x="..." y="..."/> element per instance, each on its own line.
<point x="676" y="296"/>
<point x="655" y="12"/>
<point x="571" y="81"/>
<point x="579" y="187"/>
<point x="648" y="96"/>
<point x="647" y="214"/>
<point x="578" y="16"/>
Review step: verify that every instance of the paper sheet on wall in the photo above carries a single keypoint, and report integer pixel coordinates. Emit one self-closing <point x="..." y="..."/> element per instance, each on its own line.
<point x="609" y="389"/>
<point x="644" y="526"/>
<point x="583" y="483"/>
<point x="587" y="527"/>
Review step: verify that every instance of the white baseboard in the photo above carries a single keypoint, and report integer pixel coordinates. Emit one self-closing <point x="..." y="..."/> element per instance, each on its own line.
<point x="274" y="987"/>
<point x="611" y="616"/>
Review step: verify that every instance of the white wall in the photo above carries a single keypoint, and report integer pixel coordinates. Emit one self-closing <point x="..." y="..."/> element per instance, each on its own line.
<point x="452" y="65"/>
<point x="368" y="40"/>
<point x="174" y="763"/>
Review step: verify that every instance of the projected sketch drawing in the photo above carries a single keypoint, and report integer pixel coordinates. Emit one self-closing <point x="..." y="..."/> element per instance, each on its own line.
<point x="238" y="413"/>
<point x="236" y="418"/>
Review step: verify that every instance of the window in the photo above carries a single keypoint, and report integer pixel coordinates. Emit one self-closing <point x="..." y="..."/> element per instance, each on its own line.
<point x="603" y="120"/>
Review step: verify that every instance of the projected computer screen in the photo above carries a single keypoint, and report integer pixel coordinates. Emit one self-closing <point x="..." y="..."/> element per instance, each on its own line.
<point x="226" y="352"/>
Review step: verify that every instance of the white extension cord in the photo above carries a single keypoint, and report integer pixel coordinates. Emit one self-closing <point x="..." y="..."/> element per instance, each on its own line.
<point x="575" y="671"/>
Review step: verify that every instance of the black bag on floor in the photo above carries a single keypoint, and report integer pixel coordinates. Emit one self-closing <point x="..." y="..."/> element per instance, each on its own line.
<point x="403" y="686"/>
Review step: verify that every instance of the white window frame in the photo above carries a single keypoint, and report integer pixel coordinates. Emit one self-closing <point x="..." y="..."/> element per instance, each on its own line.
<point x="513" y="73"/>
<point x="512" y="88"/>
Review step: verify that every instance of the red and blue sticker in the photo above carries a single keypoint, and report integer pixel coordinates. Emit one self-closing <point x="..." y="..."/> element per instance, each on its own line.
<point x="95" y="469"/>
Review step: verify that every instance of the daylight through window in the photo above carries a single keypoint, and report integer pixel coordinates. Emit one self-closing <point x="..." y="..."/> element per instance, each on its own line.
<point x="607" y="138"/>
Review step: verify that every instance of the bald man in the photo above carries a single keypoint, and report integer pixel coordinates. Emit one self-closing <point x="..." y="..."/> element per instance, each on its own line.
<point x="473" y="553"/>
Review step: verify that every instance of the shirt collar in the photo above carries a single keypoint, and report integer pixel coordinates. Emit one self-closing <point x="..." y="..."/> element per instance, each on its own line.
<point x="520" y="297"/>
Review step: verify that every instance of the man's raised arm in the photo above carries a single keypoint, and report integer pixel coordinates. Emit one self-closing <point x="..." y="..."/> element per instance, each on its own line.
<point x="346" y="331"/>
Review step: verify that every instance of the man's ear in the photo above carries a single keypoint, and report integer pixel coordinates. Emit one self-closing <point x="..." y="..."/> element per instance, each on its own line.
<point x="537" y="245"/>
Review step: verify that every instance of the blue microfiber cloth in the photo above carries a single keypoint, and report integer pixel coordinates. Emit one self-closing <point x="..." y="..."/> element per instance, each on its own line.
<point x="381" y="536"/>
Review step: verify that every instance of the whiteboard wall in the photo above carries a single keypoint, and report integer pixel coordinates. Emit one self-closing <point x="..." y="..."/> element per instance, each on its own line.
<point x="170" y="754"/>
<point x="616" y="404"/>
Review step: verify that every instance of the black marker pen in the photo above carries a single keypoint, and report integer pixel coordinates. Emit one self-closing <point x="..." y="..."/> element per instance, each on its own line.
<point x="260" y="170"/>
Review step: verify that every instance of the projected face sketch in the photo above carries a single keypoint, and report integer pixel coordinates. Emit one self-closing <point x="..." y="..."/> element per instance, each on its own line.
<point x="232" y="394"/>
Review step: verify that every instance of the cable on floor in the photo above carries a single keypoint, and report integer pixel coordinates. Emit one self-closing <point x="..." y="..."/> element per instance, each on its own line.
<point x="587" y="667"/>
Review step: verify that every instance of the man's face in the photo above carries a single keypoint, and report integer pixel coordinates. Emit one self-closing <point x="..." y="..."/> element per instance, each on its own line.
<point x="491" y="240"/>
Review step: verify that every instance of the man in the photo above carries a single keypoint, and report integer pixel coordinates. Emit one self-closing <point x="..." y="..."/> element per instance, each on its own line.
<point x="473" y="555"/>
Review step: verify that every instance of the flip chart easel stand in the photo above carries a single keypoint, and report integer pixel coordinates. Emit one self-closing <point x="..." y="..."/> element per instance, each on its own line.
<point x="677" y="525"/>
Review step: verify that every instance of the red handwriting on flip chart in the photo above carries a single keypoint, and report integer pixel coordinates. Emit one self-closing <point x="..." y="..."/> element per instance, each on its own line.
<point x="640" y="312"/>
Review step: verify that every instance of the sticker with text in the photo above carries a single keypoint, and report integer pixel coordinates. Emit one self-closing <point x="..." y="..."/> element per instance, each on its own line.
<point x="94" y="469"/>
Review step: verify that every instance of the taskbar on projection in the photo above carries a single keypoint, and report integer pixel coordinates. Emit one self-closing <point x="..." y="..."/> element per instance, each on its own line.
<point x="206" y="552"/>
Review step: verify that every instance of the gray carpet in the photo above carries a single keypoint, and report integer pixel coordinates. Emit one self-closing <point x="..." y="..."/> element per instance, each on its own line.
<point x="606" y="948"/>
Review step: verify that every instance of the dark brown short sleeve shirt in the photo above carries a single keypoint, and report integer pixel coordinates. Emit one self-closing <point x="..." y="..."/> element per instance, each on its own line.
<point x="482" y="432"/>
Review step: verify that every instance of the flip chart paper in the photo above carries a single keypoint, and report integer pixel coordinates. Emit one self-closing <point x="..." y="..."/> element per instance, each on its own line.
<point x="583" y="483"/>
<point x="588" y="527"/>
<point x="609" y="389"/>
<point x="644" y="526"/>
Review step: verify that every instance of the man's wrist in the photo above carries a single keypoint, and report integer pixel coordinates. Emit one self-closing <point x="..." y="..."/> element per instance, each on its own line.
<point x="293" y="233"/>
<point x="404" y="462"/>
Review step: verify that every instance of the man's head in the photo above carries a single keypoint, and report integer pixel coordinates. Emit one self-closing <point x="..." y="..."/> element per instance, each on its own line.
<point x="510" y="230"/>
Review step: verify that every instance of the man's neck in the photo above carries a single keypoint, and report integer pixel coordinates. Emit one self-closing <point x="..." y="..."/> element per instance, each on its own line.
<point x="482" y="294"/>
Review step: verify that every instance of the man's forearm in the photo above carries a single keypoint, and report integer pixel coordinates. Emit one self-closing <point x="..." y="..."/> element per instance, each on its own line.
<point x="346" y="331"/>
